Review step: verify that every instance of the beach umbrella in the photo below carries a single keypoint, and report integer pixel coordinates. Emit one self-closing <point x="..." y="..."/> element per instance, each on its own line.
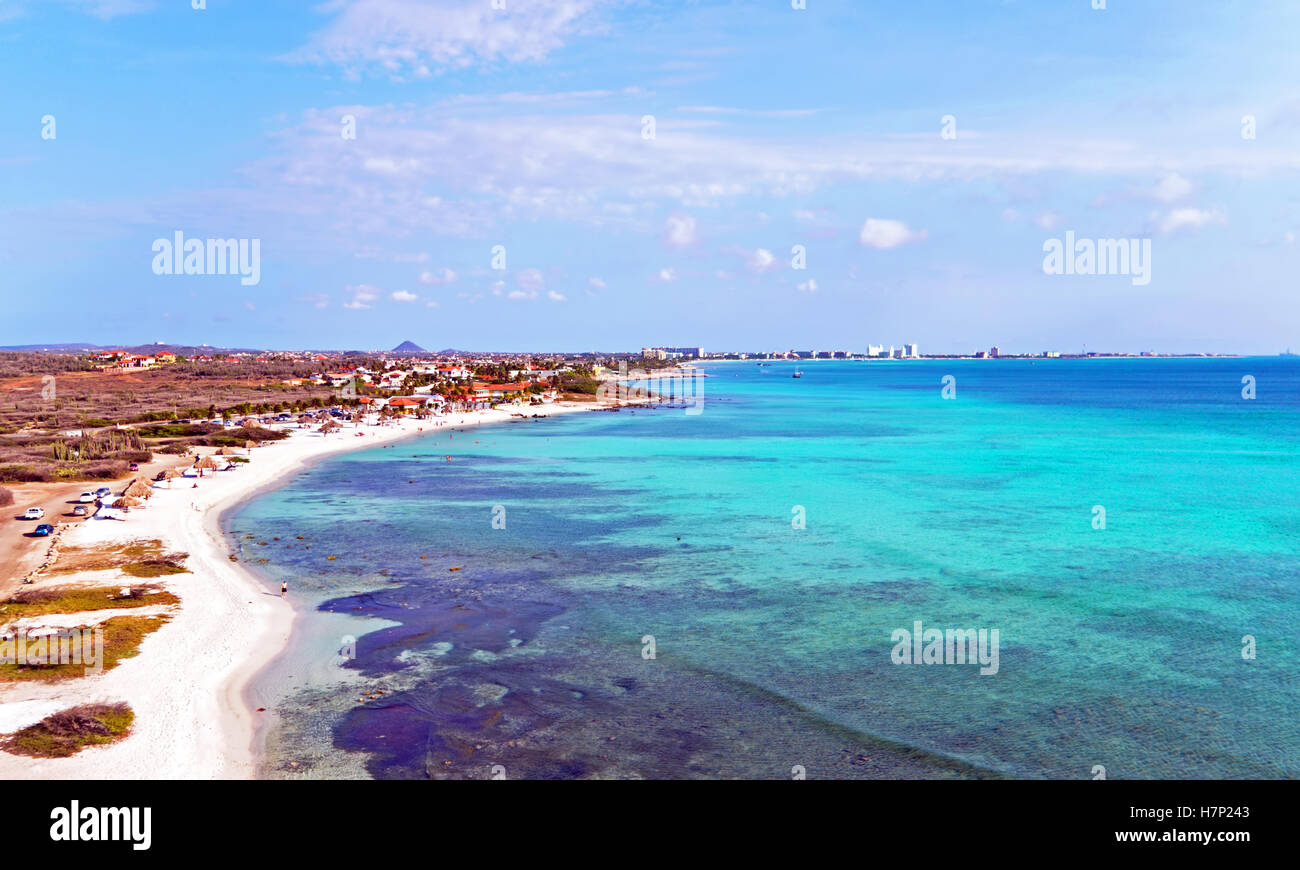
<point x="171" y="473"/>
<point x="140" y="488"/>
<point x="207" y="462"/>
<point x="249" y="447"/>
<point x="128" y="501"/>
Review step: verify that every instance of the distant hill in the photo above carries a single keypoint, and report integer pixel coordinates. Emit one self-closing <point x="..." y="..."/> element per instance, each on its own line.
<point x="409" y="347"/>
<point x="52" y="348"/>
<point x="182" y="349"/>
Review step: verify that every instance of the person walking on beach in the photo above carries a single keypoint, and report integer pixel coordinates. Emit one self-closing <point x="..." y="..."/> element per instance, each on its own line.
<point x="284" y="588"/>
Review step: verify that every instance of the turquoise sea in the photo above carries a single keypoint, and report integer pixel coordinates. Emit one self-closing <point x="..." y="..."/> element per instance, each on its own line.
<point x="1120" y="647"/>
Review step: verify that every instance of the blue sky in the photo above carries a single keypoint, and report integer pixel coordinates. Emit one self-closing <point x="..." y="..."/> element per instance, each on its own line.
<point x="774" y="127"/>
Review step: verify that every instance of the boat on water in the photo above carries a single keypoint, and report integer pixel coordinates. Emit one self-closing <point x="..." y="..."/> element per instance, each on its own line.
<point x="797" y="374"/>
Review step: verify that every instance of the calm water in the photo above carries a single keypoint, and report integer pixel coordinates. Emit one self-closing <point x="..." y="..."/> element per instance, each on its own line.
<point x="1119" y="647"/>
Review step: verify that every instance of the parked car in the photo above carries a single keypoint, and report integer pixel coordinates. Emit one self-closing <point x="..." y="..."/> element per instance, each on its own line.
<point x="34" y="513"/>
<point x="134" y="466"/>
<point x="80" y="511"/>
<point x="43" y="529"/>
<point x="87" y="497"/>
<point x="103" y="492"/>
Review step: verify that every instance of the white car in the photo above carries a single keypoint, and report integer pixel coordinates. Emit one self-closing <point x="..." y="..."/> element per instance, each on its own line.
<point x="87" y="497"/>
<point x="34" y="513"/>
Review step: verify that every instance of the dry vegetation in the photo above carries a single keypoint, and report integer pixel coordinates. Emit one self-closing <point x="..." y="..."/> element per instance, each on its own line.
<point x="69" y="731"/>
<point x="32" y="457"/>
<point x="48" y="457"/>
<point x="46" y="601"/>
<point x="136" y="558"/>
<point x="45" y="396"/>
<point x="122" y="638"/>
<point x="84" y="396"/>
<point x="122" y="634"/>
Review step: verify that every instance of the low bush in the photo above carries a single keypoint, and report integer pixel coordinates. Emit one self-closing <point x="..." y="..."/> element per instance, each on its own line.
<point x="69" y="731"/>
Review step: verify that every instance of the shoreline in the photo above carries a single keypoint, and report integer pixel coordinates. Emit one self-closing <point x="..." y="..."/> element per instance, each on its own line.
<point x="195" y="720"/>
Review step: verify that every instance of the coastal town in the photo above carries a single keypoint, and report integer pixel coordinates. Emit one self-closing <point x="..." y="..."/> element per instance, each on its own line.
<point x="122" y="608"/>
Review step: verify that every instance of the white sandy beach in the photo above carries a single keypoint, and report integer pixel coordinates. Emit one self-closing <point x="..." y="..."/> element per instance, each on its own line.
<point x="187" y="684"/>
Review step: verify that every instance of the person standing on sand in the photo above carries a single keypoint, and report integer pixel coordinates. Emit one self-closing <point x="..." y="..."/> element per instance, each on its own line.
<point x="284" y="588"/>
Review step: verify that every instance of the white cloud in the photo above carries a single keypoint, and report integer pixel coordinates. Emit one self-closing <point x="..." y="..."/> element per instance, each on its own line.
<point x="110" y="8"/>
<point x="372" y="252"/>
<point x="1172" y="188"/>
<point x="439" y="278"/>
<point x="521" y="294"/>
<point x="431" y="304"/>
<point x="756" y="113"/>
<point x="530" y="280"/>
<point x="595" y="169"/>
<point x="363" y="296"/>
<point x="555" y="297"/>
<point x="667" y="275"/>
<point x="596" y="283"/>
<point x="391" y="166"/>
<point x="809" y="286"/>
<point x="404" y="296"/>
<point x="679" y="231"/>
<point x="760" y="260"/>
<point x="1048" y="220"/>
<point x="401" y="38"/>
<point x="1189" y="219"/>
<point x="884" y="234"/>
